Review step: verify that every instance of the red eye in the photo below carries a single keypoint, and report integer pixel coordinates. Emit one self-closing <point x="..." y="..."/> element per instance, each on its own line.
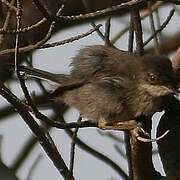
<point x="153" y="79"/>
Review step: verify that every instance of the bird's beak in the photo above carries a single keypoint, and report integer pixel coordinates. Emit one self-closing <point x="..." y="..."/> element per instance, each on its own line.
<point x="172" y="90"/>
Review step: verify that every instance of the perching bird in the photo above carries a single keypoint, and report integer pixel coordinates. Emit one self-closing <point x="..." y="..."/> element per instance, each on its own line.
<point x="111" y="86"/>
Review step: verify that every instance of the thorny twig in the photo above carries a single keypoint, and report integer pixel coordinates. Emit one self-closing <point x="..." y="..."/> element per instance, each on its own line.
<point x="100" y="13"/>
<point x="6" y="22"/>
<point x="38" y="44"/>
<point x="46" y="38"/>
<point x="23" y="30"/>
<point x="18" y="17"/>
<point x="29" y="28"/>
<point x="70" y="39"/>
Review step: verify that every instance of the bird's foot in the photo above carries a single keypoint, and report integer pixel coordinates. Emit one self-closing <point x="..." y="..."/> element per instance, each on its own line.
<point x="140" y="134"/>
<point x="136" y="130"/>
<point x="121" y="126"/>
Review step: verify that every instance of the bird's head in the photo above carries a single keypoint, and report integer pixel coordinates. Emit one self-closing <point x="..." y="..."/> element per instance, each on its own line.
<point x="156" y="75"/>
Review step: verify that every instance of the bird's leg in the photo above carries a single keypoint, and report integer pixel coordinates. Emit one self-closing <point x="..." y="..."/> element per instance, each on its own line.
<point x="136" y="130"/>
<point x="123" y="126"/>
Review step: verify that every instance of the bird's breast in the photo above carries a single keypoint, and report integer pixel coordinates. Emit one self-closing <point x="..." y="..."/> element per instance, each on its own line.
<point x="141" y="102"/>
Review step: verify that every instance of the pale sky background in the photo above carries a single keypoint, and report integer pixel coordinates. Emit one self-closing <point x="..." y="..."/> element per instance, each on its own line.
<point x="15" y="132"/>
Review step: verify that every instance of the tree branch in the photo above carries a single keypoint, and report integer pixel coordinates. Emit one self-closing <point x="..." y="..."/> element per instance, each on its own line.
<point x="51" y="152"/>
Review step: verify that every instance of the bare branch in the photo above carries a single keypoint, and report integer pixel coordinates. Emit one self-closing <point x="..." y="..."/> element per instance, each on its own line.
<point x="69" y="40"/>
<point x="138" y="31"/>
<point x="151" y="18"/>
<point x="107" y="31"/>
<point x="6" y="22"/>
<point x="73" y="144"/>
<point x="171" y="13"/>
<point x="23" y="30"/>
<point x="51" y="152"/>
<point x="100" y="13"/>
<point x="144" y="14"/>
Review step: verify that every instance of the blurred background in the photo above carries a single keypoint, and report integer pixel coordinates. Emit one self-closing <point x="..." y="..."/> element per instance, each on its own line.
<point x="15" y="134"/>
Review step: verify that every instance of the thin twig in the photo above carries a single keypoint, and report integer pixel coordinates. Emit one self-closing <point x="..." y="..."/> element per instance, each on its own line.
<point x="107" y="31"/>
<point x="131" y="34"/>
<point x="100" y="13"/>
<point x="18" y="17"/>
<point x="43" y="10"/>
<point x="73" y="144"/>
<point x="49" y="142"/>
<point x="98" y="31"/>
<point x="40" y="43"/>
<point x="25" y="29"/>
<point x="161" y="28"/>
<point x="157" y="15"/>
<point x="151" y="18"/>
<point x="29" y="28"/>
<point x="6" y="22"/>
<point x="108" y="27"/>
<point x="69" y="40"/>
<point x="35" y="46"/>
<point x="103" y="12"/>
<point x="38" y="132"/>
<point x="138" y="31"/>
<point x="101" y="35"/>
<point x="143" y="16"/>
<point x="97" y="154"/>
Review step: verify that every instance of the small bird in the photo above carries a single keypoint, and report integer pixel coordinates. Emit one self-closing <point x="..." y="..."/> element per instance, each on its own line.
<point x="114" y="87"/>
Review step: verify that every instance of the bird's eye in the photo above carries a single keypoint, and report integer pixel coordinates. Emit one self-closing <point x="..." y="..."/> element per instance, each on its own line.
<point x="153" y="79"/>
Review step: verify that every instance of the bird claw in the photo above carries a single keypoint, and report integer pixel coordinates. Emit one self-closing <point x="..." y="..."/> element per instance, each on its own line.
<point x="133" y="127"/>
<point x="140" y="131"/>
<point x="140" y="135"/>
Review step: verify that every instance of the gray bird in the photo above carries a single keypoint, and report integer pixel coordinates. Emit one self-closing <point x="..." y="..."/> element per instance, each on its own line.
<point x="113" y="87"/>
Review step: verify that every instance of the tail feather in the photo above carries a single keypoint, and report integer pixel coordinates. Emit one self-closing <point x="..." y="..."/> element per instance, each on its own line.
<point x="45" y="75"/>
<point x="66" y="82"/>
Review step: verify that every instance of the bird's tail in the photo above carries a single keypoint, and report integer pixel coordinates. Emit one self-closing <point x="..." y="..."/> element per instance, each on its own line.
<point x="45" y="75"/>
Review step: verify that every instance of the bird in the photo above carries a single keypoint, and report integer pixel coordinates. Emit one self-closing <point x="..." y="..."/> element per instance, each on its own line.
<point x="113" y="87"/>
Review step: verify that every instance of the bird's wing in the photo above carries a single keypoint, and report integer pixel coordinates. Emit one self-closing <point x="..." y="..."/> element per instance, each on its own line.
<point x="94" y="62"/>
<point x="109" y="95"/>
<point x="118" y="82"/>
